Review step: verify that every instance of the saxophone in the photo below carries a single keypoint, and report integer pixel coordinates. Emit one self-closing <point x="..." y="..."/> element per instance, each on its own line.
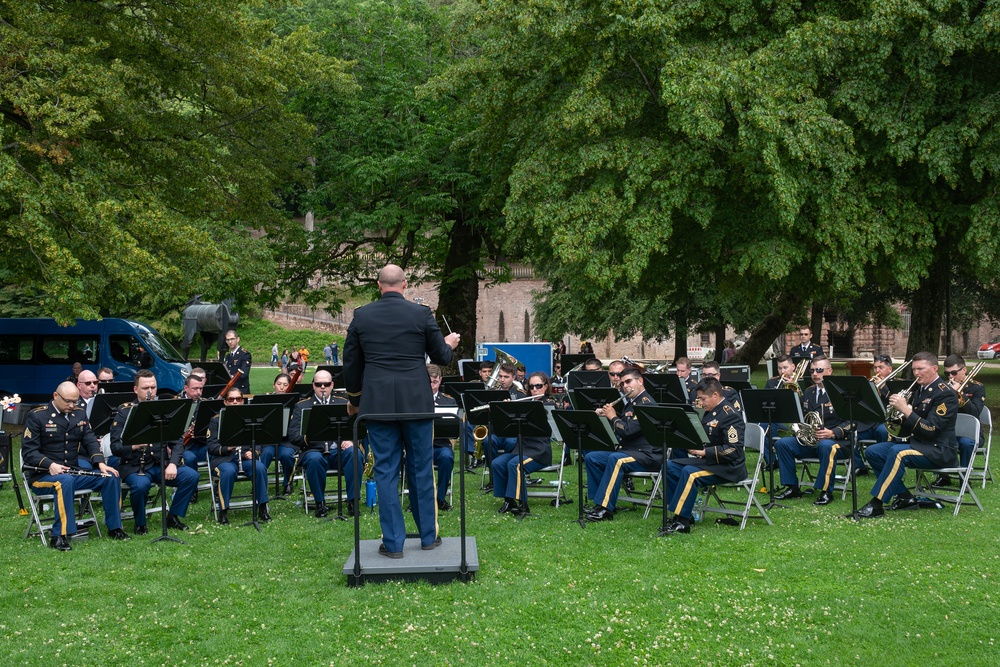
<point x="479" y="434"/>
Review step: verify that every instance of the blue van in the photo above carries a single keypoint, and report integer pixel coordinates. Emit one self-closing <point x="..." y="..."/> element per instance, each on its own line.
<point x="37" y="354"/>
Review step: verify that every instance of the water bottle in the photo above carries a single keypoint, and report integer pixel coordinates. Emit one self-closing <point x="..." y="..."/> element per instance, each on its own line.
<point x="371" y="498"/>
<point x="699" y="505"/>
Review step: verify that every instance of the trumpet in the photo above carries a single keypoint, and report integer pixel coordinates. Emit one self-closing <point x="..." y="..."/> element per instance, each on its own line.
<point x="479" y="434"/>
<point x="628" y="361"/>
<point x="880" y="382"/>
<point x="805" y="432"/>
<point x="894" y="418"/>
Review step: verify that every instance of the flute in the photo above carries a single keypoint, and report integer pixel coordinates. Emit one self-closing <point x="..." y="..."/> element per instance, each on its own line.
<point x="486" y="406"/>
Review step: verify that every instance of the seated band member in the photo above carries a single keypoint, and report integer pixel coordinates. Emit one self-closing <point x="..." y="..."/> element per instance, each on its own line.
<point x="929" y="420"/>
<point x="806" y="349"/>
<point x="140" y="464"/>
<point x="444" y="454"/>
<point x="615" y="369"/>
<point x="227" y="461"/>
<point x="316" y="457"/>
<point x="721" y="461"/>
<point x="832" y="442"/>
<point x="505" y="445"/>
<point x="197" y="448"/>
<point x="53" y="434"/>
<point x="711" y="369"/>
<point x="683" y="369"/>
<point x="881" y="369"/>
<point x="605" y="470"/>
<point x="593" y="364"/>
<point x="971" y="401"/>
<point x="485" y="371"/>
<point x="509" y="470"/>
<point x="86" y="385"/>
<point x="286" y="453"/>
<point x="786" y="372"/>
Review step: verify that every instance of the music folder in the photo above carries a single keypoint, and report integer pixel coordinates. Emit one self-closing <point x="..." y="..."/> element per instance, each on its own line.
<point x="102" y="414"/>
<point x="287" y="401"/>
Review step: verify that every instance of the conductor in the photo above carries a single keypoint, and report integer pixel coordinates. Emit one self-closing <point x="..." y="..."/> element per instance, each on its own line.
<point x="386" y="373"/>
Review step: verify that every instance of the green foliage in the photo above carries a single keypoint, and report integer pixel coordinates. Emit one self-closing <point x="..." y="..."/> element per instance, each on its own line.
<point x="140" y="148"/>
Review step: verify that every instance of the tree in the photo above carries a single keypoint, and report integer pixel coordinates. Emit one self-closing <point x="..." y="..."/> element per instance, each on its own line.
<point x="141" y="146"/>
<point x="785" y="146"/>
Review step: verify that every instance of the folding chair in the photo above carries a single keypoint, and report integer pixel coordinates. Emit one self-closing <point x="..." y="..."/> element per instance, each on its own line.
<point x="42" y="503"/>
<point x="558" y="492"/>
<point x="236" y="501"/>
<point x="840" y="482"/>
<point x="630" y="494"/>
<point x="966" y="426"/>
<point x="753" y="441"/>
<point x="986" y="426"/>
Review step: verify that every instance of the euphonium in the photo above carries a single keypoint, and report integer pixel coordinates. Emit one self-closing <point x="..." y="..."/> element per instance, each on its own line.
<point x="805" y="432"/>
<point x="501" y="358"/>
<point x="479" y="434"/>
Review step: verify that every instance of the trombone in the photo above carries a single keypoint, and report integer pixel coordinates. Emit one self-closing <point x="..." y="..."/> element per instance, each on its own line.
<point x="880" y="382"/>
<point x="800" y="370"/>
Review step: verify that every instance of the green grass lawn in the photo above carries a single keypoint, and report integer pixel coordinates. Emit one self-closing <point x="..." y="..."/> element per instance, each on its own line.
<point x="914" y="588"/>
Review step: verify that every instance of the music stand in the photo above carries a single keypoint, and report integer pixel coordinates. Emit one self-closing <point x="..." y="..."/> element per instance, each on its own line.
<point x="519" y="420"/>
<point x="336" y="372"/>
<point x="898" y="386"/>
<point x="113" y="387"/>
<point x="473" y="399"/>
<point x="666" y="388"/>
<point x="584" y="430"/>
<point x="591" y="398"/>
<point x="215" y="372"/>
<point x="445" y="379"/>
<point x="470" y="371"/>
<point x="166" y="421"/>
<point x="571" y="361"/>
<point x="456" y="388"/>
<point x="672" y="427"/>
<point x="213" y="390"/>
<point x="102" y="414"/>
<point x="772" y="406"/>
<point x="855" y="397"/>
<point x="243" y="425"/>
<point x="288" y="401"/>
<point x="579" y="379"/>
<point x="330" y="423"/>
<point x="738" y="385"/>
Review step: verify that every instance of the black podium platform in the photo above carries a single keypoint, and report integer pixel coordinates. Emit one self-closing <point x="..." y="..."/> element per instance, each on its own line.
<point x="437" y="566"/>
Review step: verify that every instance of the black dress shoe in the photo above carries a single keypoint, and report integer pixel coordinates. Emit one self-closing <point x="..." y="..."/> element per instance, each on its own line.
<point x="389" y="554"/>
<point x="533" y="481"/>
<point x="677" y="526"/>
<point x="194" y="497"/>
<point x="941" y="482"/>
<point x="433" y="545"/>
<point x="321" y="510"/>
<point x="443" y="505"/>
<point x="910" y="503"/>
<point x="825" y="498"/>
<point x="263" y="514"/>
<point x="601" y="514"/>
<point x="350" y="508"/>
<point x="141" y="530"/>
<point x="223" y="517"/>
<point x="789" y="493"/>
<point x="508" y="506"/>
<point x="862" y="471"/>
<point x="288" y="489"/>
<point x="119" y="534"/>
<point x="870" y="511"/>
<point x="488" y="487"/>
<point x="174" y="521"/>
<point x="60" y="542"/>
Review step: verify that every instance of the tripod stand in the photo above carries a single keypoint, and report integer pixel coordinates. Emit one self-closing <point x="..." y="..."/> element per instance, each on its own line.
<point x="771" y="406"/>
<point x="584" y="430"/>
<point x="521" y="420"/>
<point x="253" y="426"/>
<point x="856" y="397"/>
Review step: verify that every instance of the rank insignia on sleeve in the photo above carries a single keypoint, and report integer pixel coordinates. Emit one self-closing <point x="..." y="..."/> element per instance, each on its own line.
<point x="942" y="410"/>
<point x="27" y="433"/>
<point x="733" y="436"/>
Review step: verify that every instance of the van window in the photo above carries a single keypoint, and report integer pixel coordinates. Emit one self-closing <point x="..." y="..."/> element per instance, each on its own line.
<point x="62" y="349"/>
<point x="15" y="348"/>
<point x="127" y="349"/>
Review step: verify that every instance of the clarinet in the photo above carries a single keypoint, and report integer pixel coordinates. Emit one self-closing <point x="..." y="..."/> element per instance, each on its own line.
<point x="77" y="472"/>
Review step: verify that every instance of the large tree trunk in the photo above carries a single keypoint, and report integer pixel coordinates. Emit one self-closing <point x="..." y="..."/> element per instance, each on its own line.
<point x="458" y="294"/>
<point x="926" y="309"/>
<point x="680" y="334"/>
<point x="816" y="326"/>
<point x="786" y="307"/>
<point x="720" y="340"/>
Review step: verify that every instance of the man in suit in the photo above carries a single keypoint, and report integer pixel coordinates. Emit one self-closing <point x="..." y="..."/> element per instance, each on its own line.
<point x="806" y="349"/>
<point x="385" y="373"/>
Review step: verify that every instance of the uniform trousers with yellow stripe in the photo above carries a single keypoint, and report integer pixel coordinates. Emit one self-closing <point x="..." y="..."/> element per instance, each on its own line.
<point x="508" y="474"/>
<point x="63" y="487"/>
<point x="827" y="451"/>
<point x="890" y="460"/>
<point x="683" y="481"/>
<point x="605" y="471"/>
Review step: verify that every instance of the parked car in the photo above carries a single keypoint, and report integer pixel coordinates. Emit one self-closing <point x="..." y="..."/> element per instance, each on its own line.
<point x="990" y="350"/>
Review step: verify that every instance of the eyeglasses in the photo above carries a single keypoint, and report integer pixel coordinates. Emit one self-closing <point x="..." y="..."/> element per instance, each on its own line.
<point x="234" y="400"/>
<point x="815" y="371"/>
<point x="322" y="384"/>
<point x="614" y="375"/>
<point x="955" y="372"/>
<point x="68" y="400"/>
<point x="536" y="386"/>
<point x="805" y="334"/>
<point x="87" y="382"/>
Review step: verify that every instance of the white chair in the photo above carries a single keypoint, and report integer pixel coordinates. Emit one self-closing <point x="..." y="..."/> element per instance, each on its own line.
<point x="630" y="494"/>
<point x="840" y="482"/>
<point x="753" y="441"/>
<point x="966" y="426"/>
<point x="556" y="493"/>
<point x="236" y="501"/>
<point x="986" y="427"/>
<point x="42" y="506"/>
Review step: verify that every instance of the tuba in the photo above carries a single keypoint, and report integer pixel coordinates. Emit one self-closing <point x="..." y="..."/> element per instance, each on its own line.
<point x="501" y="358"/>
<point x="805" y="432"/>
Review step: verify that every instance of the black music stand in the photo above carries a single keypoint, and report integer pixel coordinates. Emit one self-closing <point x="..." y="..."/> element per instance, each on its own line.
<point x="215" y="372"/>
<point x="670" y="427"/>
<point x="102" y="415"/>
<point x="856" y="397"/>
<point x="580" y="379"/>
<point x="772" y="406"/>
<point x="584" y="430"/>
<point x="288" y="401"/>
<point x="470" y="371"/>
<point x="114" y="387"/>
<point x="474" y="399"/>
<point x="666" y="388"/>
<point x="331" y="423"/>
<point x="336" y="372"/>
<point x="591" y="398"/>
<point x="898" y="386"/>
<point x="571" y="361"/>
<point x="243" y="425"/>
<point x="167" y="421"/>
<point x="519" y="420"/>
<point x="738" y="385"/>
